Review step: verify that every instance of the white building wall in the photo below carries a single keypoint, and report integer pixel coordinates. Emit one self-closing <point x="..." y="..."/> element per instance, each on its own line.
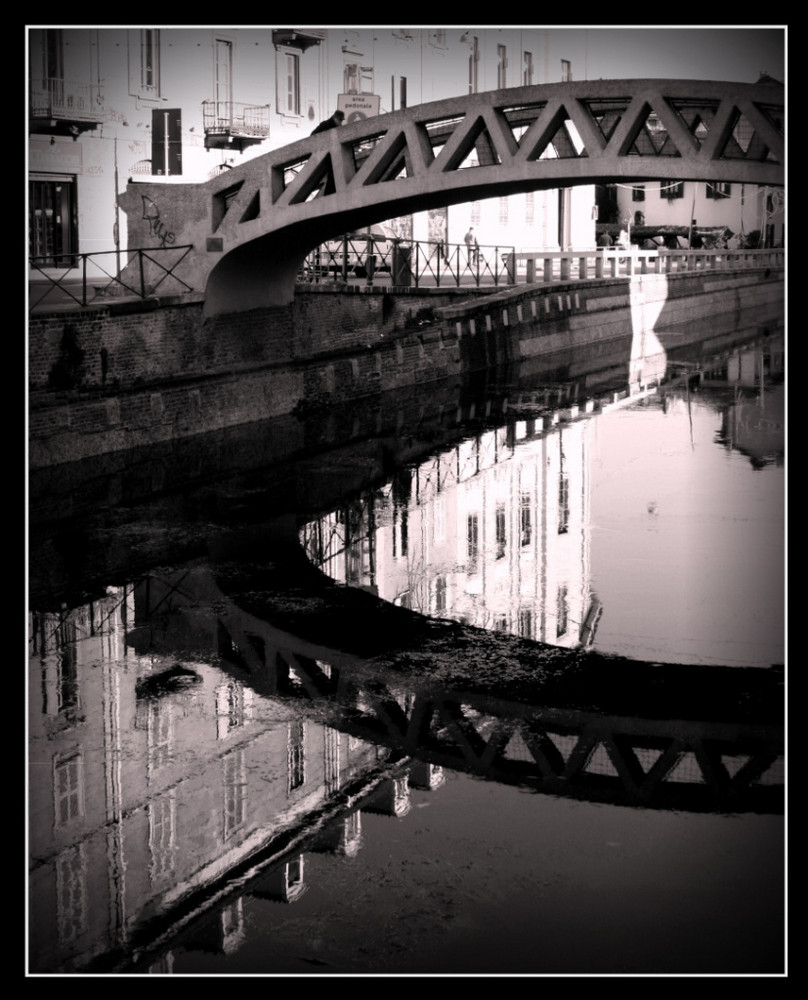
<point x="434" y="62"/>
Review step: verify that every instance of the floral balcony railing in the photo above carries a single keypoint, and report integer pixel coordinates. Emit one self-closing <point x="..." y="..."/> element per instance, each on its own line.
<point x="56" y="99"/>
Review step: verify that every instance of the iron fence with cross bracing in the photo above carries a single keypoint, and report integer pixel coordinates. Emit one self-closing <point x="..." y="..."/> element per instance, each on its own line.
<point x="80" y="278"/>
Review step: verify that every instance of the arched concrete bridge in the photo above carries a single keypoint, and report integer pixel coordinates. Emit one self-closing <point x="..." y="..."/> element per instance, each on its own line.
<point x="251" y="227"/>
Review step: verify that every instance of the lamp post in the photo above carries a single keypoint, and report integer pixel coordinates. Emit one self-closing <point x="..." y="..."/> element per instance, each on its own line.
<point x="116" y="226"/>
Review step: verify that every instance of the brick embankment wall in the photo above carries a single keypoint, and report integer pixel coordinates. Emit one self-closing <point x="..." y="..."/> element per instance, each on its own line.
<point x="122" y="376"/>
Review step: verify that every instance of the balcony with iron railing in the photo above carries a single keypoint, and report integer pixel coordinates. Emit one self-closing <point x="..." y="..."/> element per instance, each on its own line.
<point x="233" y="125"/>
<point x="65" y="107"/>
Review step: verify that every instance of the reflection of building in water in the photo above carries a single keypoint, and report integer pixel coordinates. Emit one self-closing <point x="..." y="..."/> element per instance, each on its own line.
<point x="494" y="532"/>
<point x="754" y="423"/>
<point x="150" y="780"/>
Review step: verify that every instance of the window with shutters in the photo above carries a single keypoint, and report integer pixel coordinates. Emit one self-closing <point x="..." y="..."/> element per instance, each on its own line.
<point x="502" y="67"/>
<point x="144" y="63"/>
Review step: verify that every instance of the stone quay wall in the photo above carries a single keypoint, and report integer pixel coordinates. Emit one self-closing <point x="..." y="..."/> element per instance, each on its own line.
<point x="132" y="373"/>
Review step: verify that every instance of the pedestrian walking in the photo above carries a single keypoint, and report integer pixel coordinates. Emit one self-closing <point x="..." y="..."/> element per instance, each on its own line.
<point x="472" y="245"/>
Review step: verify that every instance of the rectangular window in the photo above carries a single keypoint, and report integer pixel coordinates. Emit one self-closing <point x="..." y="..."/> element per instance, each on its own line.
<point x="159" y="733"/>
<point x="475" y="213"/>
<point x="526" y="623"/>
<point x="52" y="220"/>
<point x="671" y="189"/>
<point x="296" y="755"/>
<point x="358" y="79"/>
<point x="68" y="788"/>
<point x="527" y="68"/>
<point x="530" y="209"/>
<point x="294" y="876"/>
<point x="473" y="536"/>
<point x="53" y="54"/>
<point x="439" y="523"/>
<point x="229" y="708"/>
<point x="291" y="93"/>
<point x="502" y="67"/>
<point x="162" y="837"/>
<point x="566" y="71"/>
<point x="223" y="81"/>
<point x="150" y="60"/>
<point x="234" y="783"/>
<point x="500" y="530"/>
<point x="638" y="192"/>
<point x="71" y="893"/>
<point x="561" y="612"/>
<point x="400" y="530"/>
<point x="526" y="520"/>
<point x="353" y="562"/>
<point x="719" y="189"/>
<point x="440" y="594"/>
<point x="563" y="504"/>
<point x="144" y="63"/>
<point x="503" y="211"/>
<point x="474" y="61"/>
<point x="331" y="759"/>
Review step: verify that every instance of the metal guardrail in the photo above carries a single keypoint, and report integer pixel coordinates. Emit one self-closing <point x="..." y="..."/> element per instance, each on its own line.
<point x="409" y="262"/>
<point x="426" y="263"/>
<point x="128" y="278"/>
<point x="378" y="260"/>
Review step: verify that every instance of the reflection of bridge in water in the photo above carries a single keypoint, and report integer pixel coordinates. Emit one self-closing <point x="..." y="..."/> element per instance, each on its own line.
<point x="560" y="722"/>
<point x="402" y="694"/>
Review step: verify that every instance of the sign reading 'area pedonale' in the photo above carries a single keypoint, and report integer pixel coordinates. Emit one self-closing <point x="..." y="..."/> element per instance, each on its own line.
<point x="358" y="106"/>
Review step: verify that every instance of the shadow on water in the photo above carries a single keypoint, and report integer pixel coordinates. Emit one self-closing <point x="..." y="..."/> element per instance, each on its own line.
<point x="220" y="684"/>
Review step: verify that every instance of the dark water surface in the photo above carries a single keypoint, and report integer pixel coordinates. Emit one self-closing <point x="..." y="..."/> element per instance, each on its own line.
<point x="240" y="765"/>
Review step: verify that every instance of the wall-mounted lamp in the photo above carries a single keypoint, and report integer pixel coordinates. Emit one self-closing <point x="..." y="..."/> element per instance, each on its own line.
<point x="464" y="38"/>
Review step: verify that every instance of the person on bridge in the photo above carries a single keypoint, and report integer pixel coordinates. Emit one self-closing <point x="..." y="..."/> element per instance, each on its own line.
<point x="334" y="121"/>
<point x="472" y="244"/>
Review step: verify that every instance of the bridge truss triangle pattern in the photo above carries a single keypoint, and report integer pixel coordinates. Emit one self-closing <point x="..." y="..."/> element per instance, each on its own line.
<point x="653" y="123"/>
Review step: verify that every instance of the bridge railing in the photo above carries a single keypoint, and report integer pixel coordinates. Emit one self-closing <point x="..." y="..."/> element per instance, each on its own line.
<point x="611" y="262"/>
<point x="431" y="263"/>
<point x="79" y="278"/>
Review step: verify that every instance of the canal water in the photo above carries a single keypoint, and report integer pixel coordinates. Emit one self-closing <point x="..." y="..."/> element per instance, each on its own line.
<point x="218" y="784"/>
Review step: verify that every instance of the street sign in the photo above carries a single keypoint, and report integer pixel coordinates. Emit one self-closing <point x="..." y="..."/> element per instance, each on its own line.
<point x="358" y="106"/>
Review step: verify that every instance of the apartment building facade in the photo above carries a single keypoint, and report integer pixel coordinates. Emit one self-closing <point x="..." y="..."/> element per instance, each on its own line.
<point x="183" y="104"/>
